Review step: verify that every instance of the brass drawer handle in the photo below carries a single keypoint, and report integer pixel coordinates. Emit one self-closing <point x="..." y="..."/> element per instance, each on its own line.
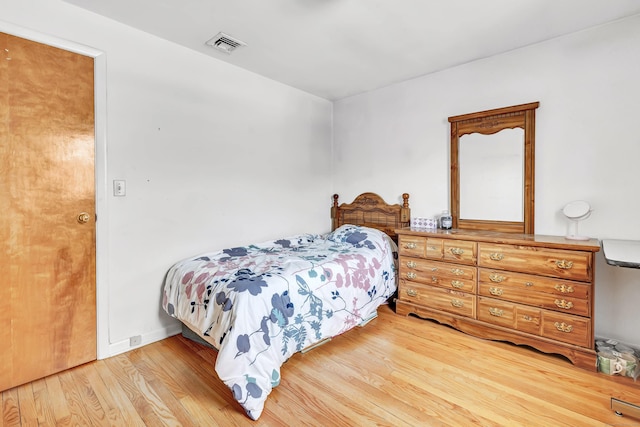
<point x="496" y="256"/>
<point x="434" y="279"/>
<point x="457" y="284"/>
<point x="411" y="275"/>
<point x="496" y="312"/>
<point x="412" y="292"/>
<point x="412" y="264"/>
<point x="563" y="288"/>
<point x="564" y="264"/>
<point x="457" y="271"/>
<point x="496" y="278"/>
<point x="528" y="284"/>
<point x="457" y="303"/>
<point x="410" y="245"/>
<point x="568" y="305"/>
<point x="432" y="248"/>
<point x="495" y="291"/>
<point x="456" y="251"/>
<point x="563" y="327"/>
<point x="527" y="318"/>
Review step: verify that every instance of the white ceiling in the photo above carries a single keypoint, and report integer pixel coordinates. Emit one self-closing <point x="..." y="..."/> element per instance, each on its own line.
<point x="338" y="48"/>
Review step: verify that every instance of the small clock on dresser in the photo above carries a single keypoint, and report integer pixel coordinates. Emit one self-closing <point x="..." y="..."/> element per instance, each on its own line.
<point x="523" y="288"/>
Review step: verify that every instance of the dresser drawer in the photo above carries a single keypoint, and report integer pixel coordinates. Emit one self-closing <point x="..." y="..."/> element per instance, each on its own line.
<point x="457" y="277"/>
<point x="514" y="316"/>
<point x="437" y="298"/>
<point x="497" y="312"/>
<point x="575" y="306"/>
<point x="498" y="284"/>
<point x="421" y="247"/>
<point x="414" y="246"/>
<point x="570" y="329"/>
<point x="547" y="285"/>
<point x="460" y="251"/>
<point x="560" y="327"/>
<point x="565" y="264"/>
<point x="434" y="248"/>
<point x="528" y="319"/>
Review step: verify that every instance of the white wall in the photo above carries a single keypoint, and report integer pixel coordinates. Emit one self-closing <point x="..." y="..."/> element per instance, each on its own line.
<point x="209" y="151"/>
<point x="396" y="140"/>
<point x="213" y="156"/>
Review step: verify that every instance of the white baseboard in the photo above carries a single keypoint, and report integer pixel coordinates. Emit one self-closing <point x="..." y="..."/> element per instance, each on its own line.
<point x="148" y="338"/>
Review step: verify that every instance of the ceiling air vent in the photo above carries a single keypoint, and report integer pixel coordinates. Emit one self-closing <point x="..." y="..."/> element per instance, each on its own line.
<point x="225" y="43"/>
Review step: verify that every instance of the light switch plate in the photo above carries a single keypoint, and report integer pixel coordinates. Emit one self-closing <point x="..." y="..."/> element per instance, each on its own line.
<point x="119" y="187"/>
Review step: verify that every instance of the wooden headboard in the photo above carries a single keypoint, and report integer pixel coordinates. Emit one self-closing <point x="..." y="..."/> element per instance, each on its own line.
<point x="369" y="210"/>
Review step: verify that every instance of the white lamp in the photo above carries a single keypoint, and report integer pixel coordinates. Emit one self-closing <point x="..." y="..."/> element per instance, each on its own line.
<point x="576" y="211"/>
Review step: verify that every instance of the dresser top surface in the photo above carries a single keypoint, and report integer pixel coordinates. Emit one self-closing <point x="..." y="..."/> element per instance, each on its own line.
<point x="558" y="242"/>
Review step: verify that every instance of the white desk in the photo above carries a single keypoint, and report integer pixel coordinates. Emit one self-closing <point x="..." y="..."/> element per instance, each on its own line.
<point x="621" y="253"/>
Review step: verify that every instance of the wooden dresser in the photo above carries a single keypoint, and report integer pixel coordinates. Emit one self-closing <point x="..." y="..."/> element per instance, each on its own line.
<point x="522" y="288"/>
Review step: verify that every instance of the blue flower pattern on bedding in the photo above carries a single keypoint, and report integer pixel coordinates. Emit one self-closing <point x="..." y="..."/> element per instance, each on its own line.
<point x="262" y="303"/>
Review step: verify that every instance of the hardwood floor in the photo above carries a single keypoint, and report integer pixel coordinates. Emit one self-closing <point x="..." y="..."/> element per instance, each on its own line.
<point x="396" y="371"/>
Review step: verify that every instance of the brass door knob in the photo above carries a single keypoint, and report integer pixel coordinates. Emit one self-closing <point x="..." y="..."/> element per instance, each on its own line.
<point x="83" y="218"/>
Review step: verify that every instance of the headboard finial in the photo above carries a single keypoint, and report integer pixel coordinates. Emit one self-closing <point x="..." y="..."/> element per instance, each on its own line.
<point x="334" y="213"/>
<point x="405" y="212"/>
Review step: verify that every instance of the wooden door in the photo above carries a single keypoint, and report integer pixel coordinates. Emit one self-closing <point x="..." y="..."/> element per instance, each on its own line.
<point x="47" y="247"/>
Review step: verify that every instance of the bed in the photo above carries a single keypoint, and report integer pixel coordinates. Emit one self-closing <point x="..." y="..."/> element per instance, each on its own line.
<point x="261" y="303"/>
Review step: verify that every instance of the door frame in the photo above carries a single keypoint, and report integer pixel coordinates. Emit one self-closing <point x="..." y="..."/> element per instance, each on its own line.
<point x="100" y="165"/>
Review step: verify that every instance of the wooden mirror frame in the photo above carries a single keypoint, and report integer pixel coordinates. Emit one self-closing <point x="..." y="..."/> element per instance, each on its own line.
<point x="487" y="123"/>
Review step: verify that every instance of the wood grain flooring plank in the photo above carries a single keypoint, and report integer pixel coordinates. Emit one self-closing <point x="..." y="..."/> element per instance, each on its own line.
<point x="42" y="403"/>
<point x="154" y="378"/>
<point x="117" y="394"/>
<point x="10" y="408"/>
<point x="421" y="403"/>
<point x="414" y="407"/>
<point x="26" y="400"/>
<point x="80" y="408"/>
<point x="396" y="371"/>
<point x="197" y="380"/>
<point x="199" y="375"/>
<point x="146" y="401"/>
<point x="96" y="397"/>
<point x="59" y="406"/>
<point x="459" y="377"/>
<point x="495" y="377"/>
<point x="91" y="402"/>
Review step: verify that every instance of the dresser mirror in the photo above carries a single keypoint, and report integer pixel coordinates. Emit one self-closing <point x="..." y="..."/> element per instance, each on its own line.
<point x="492" y="169"/>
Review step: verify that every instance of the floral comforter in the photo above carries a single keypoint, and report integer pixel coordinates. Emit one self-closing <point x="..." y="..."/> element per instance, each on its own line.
<point x="260" y="304"/>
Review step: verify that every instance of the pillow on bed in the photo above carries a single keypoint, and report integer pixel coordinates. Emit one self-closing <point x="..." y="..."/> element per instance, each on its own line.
<point x="359" y="236"/>
<point x="354" y="234"/>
